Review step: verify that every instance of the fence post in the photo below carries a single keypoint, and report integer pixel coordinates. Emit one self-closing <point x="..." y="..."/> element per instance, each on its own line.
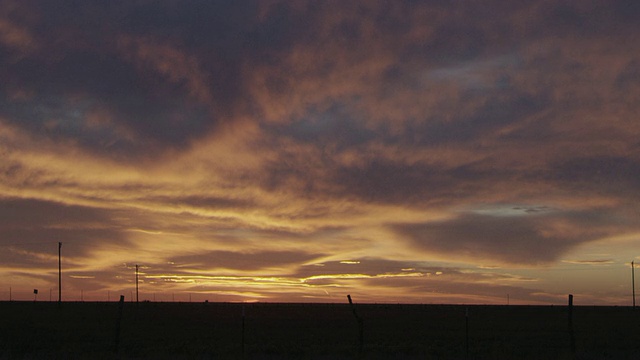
<point x="572" y="340"/>
<point x="116" y="343"/>
<point x="242" y="344"/>
<point x="360" y="322"/>
<point x="466" y="331"/>
<point x="633" y="284"/>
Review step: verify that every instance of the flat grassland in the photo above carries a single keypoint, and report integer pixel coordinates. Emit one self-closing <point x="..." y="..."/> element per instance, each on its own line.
<point x="315" y="331"/>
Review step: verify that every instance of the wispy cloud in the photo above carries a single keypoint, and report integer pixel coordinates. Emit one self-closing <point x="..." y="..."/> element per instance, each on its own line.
<point x="590" y="262"/>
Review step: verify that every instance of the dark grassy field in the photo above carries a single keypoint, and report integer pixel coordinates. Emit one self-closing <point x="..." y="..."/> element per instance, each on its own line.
<point x="325" y="331"/>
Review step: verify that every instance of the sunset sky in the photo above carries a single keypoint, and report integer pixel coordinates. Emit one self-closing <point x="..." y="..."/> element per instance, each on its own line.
<point x="299" y="151"/>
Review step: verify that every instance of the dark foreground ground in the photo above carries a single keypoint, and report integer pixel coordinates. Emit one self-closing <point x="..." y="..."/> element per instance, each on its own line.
<point x="317" y="331"/>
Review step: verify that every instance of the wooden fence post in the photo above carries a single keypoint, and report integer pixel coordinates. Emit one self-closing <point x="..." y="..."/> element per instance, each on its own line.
<point x="242" y="343"/>
<point x="466" y="331"/>
<point x="360" y="322"/>
<point x="116" y="343"/>
<point x="572" y="339"/>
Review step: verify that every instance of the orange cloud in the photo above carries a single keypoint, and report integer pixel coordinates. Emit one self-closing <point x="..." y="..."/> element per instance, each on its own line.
<point x="169" y="61"/>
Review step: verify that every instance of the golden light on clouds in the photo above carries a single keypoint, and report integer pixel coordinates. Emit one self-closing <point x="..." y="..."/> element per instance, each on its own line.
<point x="399" y="152"/>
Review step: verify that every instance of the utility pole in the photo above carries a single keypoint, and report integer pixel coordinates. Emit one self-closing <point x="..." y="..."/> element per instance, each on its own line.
<point x="137" y="283"/>
<point x="59" y="273"/>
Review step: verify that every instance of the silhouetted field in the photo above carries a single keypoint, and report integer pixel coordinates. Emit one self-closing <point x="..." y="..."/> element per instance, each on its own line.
<point x="325" y="331"/>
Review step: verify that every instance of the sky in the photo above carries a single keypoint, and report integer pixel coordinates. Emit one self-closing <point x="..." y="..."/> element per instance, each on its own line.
<point x="481" y="152"/>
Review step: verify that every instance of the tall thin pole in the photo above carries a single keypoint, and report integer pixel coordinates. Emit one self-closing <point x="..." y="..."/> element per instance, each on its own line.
<point x="633" y="283"/>
<point x="59" y="273"/>
<point x="137" y="283"/>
